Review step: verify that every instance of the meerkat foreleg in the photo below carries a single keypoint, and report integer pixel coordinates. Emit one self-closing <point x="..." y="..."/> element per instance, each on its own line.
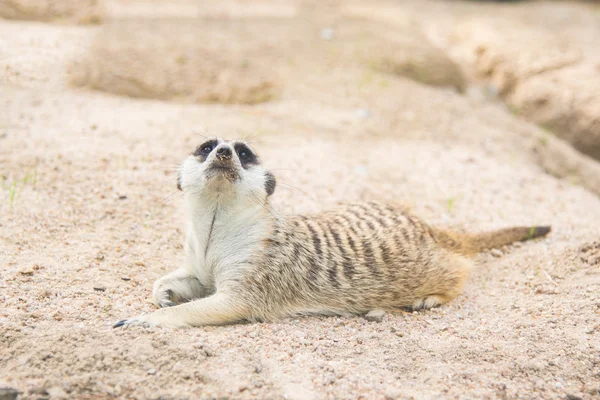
<point x="177" y="287"/>
<point x="217" y="309"/>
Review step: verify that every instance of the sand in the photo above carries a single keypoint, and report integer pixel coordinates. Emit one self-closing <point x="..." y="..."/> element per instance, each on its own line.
<point x="90" y="217"/>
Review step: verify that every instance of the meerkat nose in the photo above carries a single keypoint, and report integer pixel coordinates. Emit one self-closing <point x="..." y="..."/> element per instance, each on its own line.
<point x="224" y="152"/>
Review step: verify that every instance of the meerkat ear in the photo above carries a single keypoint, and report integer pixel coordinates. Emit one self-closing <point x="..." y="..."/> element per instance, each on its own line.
<point x="270" y="183"/>
<point x="179" y="182"/>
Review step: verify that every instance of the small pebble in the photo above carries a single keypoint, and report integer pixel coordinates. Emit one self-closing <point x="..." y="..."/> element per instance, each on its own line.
<point x="363" y="113"/>
<point x="497" y="253"/>
<point x="99" y="288"/>
<point x="591" y="330"/>
<point x="56" y="392"/>
<point x="375" y="315"/>
<point x="361" y="170"/>
<point x="122" y="197"/>
<point x="40" y="390"/>
<point x="152" y="371"/>
<point x="208" y="351"/>
<point x="26" y="271"/>
<point x="300" y="334"/>
<point x="329" y="379"/>
<point x="327" y="33"/>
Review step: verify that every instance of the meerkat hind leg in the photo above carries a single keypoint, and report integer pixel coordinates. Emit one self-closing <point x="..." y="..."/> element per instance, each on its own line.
<point x="177" y="287"/>
<point x="448" y="285"/>
<point x="428" y="302"/>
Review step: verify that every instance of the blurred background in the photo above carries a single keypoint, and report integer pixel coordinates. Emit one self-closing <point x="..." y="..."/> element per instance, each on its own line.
<point x="540" y="58"/>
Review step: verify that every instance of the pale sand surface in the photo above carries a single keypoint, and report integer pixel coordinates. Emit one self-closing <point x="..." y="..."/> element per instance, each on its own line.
<point x="95" y="219"/>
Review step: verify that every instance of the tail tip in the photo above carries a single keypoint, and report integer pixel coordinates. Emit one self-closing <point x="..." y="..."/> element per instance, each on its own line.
<point x="539" y="231"/>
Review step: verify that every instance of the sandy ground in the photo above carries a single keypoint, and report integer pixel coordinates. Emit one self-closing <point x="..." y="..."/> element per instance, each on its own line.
<point x="90" y="217"/>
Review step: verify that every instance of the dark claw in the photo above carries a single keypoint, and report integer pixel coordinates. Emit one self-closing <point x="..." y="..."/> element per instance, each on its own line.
<point x="164" y="304"/>
<point x="119" y="324"/>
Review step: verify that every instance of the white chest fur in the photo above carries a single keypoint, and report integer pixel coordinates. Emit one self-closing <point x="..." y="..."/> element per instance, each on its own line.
<point x="221" y="238"/>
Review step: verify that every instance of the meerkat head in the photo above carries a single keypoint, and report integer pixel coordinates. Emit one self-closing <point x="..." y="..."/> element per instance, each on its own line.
<point x="225" y="166"/>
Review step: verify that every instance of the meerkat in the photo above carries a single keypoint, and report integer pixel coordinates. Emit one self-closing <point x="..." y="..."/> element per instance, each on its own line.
<point x="246" y="262"/>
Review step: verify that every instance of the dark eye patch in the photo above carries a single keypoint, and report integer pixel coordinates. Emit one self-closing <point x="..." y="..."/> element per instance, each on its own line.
<point x="205" y="149"/>
<point x="246" y="156"/>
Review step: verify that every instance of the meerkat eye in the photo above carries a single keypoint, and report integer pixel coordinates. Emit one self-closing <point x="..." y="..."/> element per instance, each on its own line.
<point x="205" y="149"/>
<point x="246" y="156"/>
<point x="244" y="153"/>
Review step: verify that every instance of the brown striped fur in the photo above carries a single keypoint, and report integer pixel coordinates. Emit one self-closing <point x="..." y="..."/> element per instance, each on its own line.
<point x="371" y="256"/>
<point x="244" y="261"/>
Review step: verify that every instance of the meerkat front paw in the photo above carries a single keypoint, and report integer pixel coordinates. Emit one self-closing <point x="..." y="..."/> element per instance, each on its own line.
<point x="164" y="298"/>
<point x="150" y="320"/>
<point x="176" y="288"/>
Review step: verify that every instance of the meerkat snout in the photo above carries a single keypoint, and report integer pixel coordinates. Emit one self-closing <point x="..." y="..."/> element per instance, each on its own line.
<point x="224" y="152"/>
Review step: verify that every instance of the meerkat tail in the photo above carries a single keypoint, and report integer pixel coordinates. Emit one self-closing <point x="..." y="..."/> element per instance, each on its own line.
<point x="474" y="243"/>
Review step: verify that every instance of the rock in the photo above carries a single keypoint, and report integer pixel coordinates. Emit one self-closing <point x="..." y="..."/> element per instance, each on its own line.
<point x="570" y="396"/>
<point x="7" y="393"/>
<point x="152" y="371"/>
<point x="99" y="288"/>
<point x="497" y="253"/>
<point x="375" y="315"/>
